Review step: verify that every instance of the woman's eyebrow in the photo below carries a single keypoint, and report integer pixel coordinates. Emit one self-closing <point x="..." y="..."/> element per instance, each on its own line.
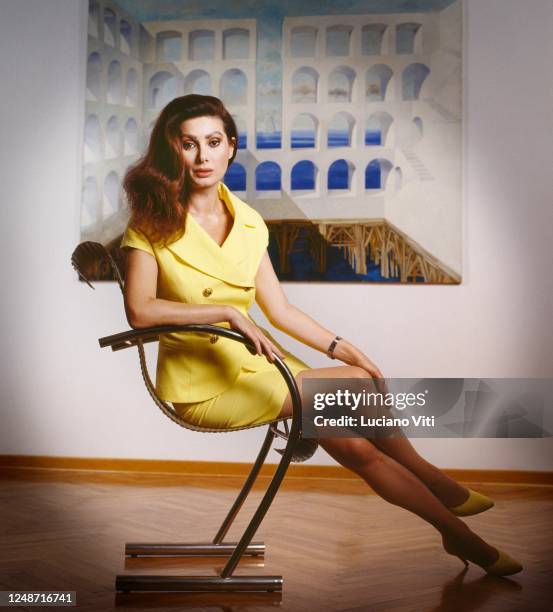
<point x="208" y="135"/>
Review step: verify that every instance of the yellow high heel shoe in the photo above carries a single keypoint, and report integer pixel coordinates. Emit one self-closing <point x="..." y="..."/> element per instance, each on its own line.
<point x="475" y="504"/>
<point x="504" y="565"/>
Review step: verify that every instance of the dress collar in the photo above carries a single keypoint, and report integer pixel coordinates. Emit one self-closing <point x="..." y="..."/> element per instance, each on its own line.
<point x="227" y="262"/>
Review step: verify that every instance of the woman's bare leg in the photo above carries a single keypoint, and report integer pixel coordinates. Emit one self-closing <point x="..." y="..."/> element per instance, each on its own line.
<point x="399" y="447"/>
<point x="394" y="482"/>
<point x="400" y="487"/>
<point x="447" y="490"/>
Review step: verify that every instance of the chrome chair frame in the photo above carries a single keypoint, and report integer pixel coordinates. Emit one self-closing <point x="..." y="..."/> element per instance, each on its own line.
<point x="296" y="449"/>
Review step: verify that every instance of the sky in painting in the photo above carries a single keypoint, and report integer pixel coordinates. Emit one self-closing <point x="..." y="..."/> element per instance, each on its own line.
<point x="269" y="15"/>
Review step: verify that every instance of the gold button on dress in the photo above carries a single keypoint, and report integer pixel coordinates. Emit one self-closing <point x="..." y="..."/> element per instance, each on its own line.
<point x="207" y="292"/>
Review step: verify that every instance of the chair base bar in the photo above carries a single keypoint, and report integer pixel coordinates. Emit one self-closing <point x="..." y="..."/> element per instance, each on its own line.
<point x="165" y="584"/>
<point x="191" y="550"/>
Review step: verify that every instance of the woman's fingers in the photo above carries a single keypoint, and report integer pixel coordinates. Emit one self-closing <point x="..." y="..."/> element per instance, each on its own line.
<point x="270" y="348"/>
<point x="276" y="350"/>
<point x="257" y="344"/>
<point x="262" y="344"/>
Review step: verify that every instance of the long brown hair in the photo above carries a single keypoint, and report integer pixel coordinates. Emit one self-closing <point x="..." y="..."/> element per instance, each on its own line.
<point x="156" y="184"/>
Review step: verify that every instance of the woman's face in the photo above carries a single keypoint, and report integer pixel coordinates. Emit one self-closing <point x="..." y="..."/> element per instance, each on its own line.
<point x="206" y="150"/>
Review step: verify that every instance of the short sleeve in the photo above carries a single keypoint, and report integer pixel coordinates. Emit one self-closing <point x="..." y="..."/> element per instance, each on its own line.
<point x="264" y="236"/>
<point x="137" y="240"/>
<point x="261" y="243"/>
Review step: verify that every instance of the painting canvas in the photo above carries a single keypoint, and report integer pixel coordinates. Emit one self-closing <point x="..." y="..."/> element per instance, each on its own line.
<point x="349" y="118"/>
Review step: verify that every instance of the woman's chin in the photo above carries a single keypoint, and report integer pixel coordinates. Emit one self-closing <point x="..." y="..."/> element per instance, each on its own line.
<point x="203" y="182"/>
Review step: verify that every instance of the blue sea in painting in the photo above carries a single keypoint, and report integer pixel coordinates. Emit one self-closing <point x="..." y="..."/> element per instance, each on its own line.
<point x="302" y="265"/>
<point x="303" y="175"/>
<point x="302" y="139"/>
<point x="235" y="177"/>
<point x="269" y="140"/>
<point x="338" y="138"/>
<point x="373" y="137"/>
<point x="338" y="175"/>
<point x="267" y="176"/>
<point x="373" y="176"/>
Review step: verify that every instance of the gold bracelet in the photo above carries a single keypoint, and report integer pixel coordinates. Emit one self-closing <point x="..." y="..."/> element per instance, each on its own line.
<point x="330" y="350"/>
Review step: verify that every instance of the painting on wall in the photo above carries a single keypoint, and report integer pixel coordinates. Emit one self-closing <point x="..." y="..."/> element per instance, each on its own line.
<point x="349" y="118"/>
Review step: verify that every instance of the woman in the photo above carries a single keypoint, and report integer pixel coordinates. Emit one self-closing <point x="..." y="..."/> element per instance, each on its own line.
<point x="198" y="254"/>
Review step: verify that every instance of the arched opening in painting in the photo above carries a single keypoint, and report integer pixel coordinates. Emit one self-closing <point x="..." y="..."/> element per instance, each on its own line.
<point x="376" y="128"/>
<point x="236" y="43"/>
<point x="115" y="89"/>
<point x="376" y="82"/>
<point x="93" y="15"/>
<point x="125" y="36"/>
<point x="161" y="89"/>
<point x="406" y="38"/>
<point x="132" y="87"/>
<point x="340" y="174"/>
<point x="303" y="41"/>
<point x="197" y="82"/>
<point x="235" y="177"/>
<point x="372" y="36"/>
<point x="340" y="130"/>
<point x="234" y="87"/>
<point x="94" y="77"/>
<point x="417" y="122"/>
<point x="398" y="179"/>
<point x="303" y="177"/>
<point x="304" y="85"/>
<point x="113" y="138"/>
<point x="340" y="84"/>
<point x="412" y="80"/>
<point x="303" y="132"/>
<point x="169" y="46"/>
<point x="338" y="40"/>
<point x="201" y="44"/>
<point x="268" y="178"/>
<point x="131" y="137"/>
<point x="111" y="195"/>
<point x="92" y="139"/>
<point x="376" y="174"/>
<point x="110" y="24"/>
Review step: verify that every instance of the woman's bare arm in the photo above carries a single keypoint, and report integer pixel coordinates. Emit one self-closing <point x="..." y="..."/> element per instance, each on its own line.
<point x="296" y="323"/>
<point x="144" y="309"/>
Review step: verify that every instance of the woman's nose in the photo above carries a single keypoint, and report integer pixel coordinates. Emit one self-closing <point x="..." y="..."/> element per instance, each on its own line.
<point x="202" y="154"/>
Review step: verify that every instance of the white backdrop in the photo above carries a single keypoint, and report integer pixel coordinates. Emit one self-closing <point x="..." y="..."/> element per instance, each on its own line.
<point x="63" y="396"/>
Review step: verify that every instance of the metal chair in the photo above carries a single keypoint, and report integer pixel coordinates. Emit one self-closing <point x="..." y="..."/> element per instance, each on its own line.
<point x="87" y="259"/>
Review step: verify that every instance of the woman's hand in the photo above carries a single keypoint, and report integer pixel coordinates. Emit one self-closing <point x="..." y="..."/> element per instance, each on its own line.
<point x="350" y="354"/>
<point x="262" y="344"/>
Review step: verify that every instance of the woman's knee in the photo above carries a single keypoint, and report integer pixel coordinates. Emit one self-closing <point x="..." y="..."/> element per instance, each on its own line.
<point x="356" y="454"/>
<point x="357" y="372"/>
<point x="337" y="373"/>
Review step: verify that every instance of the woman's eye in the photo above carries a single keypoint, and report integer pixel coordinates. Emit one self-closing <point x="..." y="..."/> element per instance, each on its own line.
<point x="187" y="145"/>
<point x="215" y="143"/>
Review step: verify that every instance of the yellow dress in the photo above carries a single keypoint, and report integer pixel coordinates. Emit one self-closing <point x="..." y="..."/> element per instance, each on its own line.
<point x="212" y="381"/>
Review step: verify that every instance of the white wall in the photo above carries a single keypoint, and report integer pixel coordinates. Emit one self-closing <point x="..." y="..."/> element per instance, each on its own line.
<point x="61" y="395"/>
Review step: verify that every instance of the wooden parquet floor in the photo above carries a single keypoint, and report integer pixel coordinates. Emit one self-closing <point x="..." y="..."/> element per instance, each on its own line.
<point x="338" y="547"/>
